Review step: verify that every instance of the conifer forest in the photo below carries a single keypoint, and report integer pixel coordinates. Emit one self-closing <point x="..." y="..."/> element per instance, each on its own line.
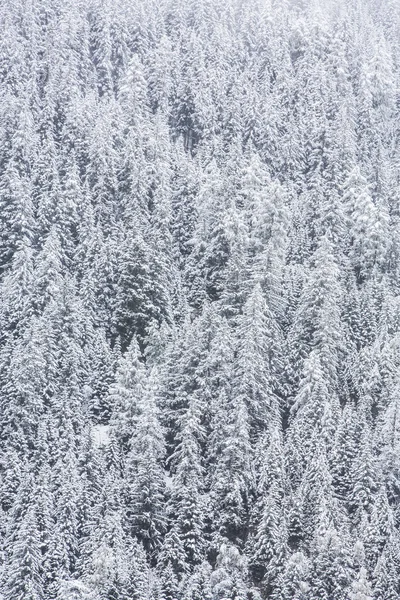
<point x="199" y="300"/>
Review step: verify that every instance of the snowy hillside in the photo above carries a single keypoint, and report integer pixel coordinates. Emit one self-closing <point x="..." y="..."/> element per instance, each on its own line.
<point x="199" y="299"/>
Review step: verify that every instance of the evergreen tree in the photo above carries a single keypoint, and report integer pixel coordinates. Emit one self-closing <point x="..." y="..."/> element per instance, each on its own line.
<point x="230" y="575"/>
<point x="259" y="360"/>
<point x="367" y="226"/>
<point x="232" y="485"/>
<point x="145" y="476"/>
<point x="187" y="506"/>
<point x="23" y="578"/>
<point x="125" y="396"/>
<point x="361" y="589"/>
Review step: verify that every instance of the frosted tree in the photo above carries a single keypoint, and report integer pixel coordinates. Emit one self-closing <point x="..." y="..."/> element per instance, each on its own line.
<point x="361" y="588"/>
<point x="314" y="412"/>
<point x="316" y="322"/>
<point x="126" y="394"/>
<point x="145" y="475"/>
<point x="187" y="507"/>
<point x="232" y="484"/>
<point x="23" y="572"/>
<point x="294" y="580"/>
<point x="230" y="575"/>
<point x="367" y="225"/>
<point x="259" y="363"/>
<point x="365" y="476"/>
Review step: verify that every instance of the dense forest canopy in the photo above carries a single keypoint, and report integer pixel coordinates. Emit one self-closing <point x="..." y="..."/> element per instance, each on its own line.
<point x="199" y="300"/>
